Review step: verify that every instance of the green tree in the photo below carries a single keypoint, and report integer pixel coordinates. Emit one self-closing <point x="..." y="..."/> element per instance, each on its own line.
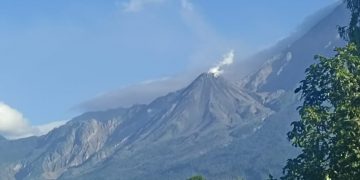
<point x="351" y="33"/>
<point x="197" y="178"/>
<point x="329" y="130"/>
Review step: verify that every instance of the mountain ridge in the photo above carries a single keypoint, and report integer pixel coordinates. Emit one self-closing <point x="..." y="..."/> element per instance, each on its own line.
<point x="216" y="127"/>
<point x="285" y="69"/>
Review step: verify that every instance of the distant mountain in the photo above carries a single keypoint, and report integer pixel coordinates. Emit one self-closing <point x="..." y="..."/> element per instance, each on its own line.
<point x="209" y="113"/>
<point x="285" y="68"/>
<point x="221" y="128"/>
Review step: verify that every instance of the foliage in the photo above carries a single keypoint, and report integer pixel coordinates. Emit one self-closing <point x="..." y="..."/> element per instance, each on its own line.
<point x="351" y="33"/>
<point x="271" y="177"/>
<point x="329" y="130"/>
<point x="197" y="178"/>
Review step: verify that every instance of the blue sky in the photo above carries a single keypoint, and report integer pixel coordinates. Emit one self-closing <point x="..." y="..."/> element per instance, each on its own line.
<point x="57" y="54"/>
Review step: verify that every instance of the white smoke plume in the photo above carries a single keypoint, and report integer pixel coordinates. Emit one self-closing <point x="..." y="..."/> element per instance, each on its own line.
<point x="227" y="60"/>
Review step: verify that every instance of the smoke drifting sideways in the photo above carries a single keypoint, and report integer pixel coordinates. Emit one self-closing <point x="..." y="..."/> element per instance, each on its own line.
<point x="146" y="92"/>
<point x="226" y="61"/>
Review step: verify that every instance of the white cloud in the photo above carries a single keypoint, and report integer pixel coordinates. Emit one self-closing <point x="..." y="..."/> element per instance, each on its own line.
<point x="138" y="5"/>
<point x="13" y="125"/>
<point x="186" y="4"/>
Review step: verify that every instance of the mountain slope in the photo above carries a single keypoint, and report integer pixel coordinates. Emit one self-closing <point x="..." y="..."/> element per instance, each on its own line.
<point x="285" y="68"/>
<point x="179" y="127"/>
<point x="183" y="125"/>
<point x="212" y="127"/>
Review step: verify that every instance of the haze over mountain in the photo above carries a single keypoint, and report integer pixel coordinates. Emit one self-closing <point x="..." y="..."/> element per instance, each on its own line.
<point x="147" y="91"/>
<point x="217" y="126"/>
